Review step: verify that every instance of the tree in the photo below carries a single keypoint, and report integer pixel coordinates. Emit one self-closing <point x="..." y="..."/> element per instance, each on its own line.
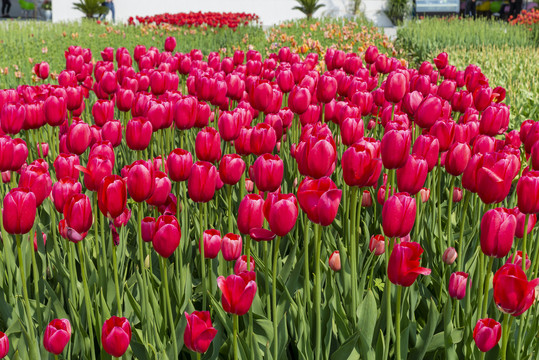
<point x="90" y="8"/>
<point x="308" y="7"/>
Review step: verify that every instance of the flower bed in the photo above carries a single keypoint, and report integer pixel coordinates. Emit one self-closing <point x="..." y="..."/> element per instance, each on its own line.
<point x="197" y="19"/>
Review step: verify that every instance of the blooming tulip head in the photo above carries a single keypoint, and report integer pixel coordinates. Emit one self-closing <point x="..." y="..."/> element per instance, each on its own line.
<point x="4" y="345"/>
<point x="250" y="213"/>
<point x="112" y="196"/>
<point x="140" y="180"/>
<point x="231" y="168"/>
<point x="78" y="215"/>
<point x="116" y="336"/>
<point x="167" y="235"/>
<point x="202" y="181"/>
<point x="179" y="163"/>
<point x="395" y="148"/>
<point x="19" y="211"/>
<point x="57" y="335"/>
<point x="199" y="331"/>
<point x="398" y="215"/>
<point x="319" y="199"/>
<point x="528" y="192"/>
<point x="403" y="267"/>
<point x="212" y="243"/>
<point x="457" y="285"/>
<point x="411" y="177"/>
<point x="63" y="190"/>
<point x="267" y="172"/>
<point x="513" y="293"/>
<point x="242" y="265"/>
<point x="487" y="334"/>
<point x="238" y="292"/>
<point x="498" y="228"/>
<point x="281" y="211"/>
<point x="231" y="245"/>
<point x="208" y="145"/>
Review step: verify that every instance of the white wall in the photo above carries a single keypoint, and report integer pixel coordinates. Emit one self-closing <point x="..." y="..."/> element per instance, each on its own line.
<point x="269" y="11"/>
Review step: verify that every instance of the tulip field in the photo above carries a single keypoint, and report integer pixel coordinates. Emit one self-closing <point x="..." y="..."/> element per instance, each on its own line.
<point x="313" y="191"/>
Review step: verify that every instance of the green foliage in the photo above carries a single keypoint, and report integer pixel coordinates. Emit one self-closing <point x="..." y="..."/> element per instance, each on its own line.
<point x="397" y="10"/>
<point x="308" y="7"/>
<point x="90" y="8"/>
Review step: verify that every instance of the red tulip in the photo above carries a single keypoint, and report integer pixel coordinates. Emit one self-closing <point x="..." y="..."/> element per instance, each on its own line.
<point x="326" y="89"/>
<point x="428" y="147"/>
<point x="148" y="229"/>
<point x="398" y="215"/>
<point x="97" y="169"/>
<point x="487" y="334"/>
<point x="494" y="176"/>
<point x="362" y="164"/>
<point x="116" y="336"/>
<point x="528" y="192"/>
<point x="396" y="87"/>
<point x="78" y="215"/>
<point x="55" y="110"/>
<point x="208" y="145"/>
<point x="457" y="158"/>
<point x="64" y="166"/>
<point x="185" y="112"/>
<point x="299" y="100"/>
<point x="250" y="213"/>
<point x="6" y="153"/>
<point x="63" y="190"/>
<point x="212" y="243"/>
<point x="231" y="245"/>
<point x="112" y="196"/>
<point x="281" y="212"/>
<point x="316" y="156"/>
<point x="57" y="335"/>
<point x="138" y="133"/>
<point x="42" y="70"/>
<point x="112" y="131"/>
<point x="497" y="232"/>
<point x="78" y="137"/>
<point x="403" y="267"/>
<point x="12" y="118"/>
<point x="267" y="172"/>
<point x="395" y="148"/>
<point x="518" y="260"/>
<point x="179" y="164"/>
<point x="512" y="292"/>
<point x="411" y="177"/>
<point x="38" y="180"/>
<point x="334" y="261"/>
<point x="170" y="43"/>
<point x="241" y="265"/>
<point x="19" y="211"/>
<point x="441" y="60"/>
<point x="229" y="126"/>
<point x="457" y="194"/>
<point x="482" y="97"/>
<point x="167" y="235"/>
<point x="457" y="285"/>
<point x="494" y="120"/>
<point x="4" y="345"/>
<point x="428" y="112"/>
<point x="262" y="139"/>
<point x="231" y="168"/>
<point x="140" y="181"/>
<point x="319" y="199"/>
<point x="351" y="130"/>
<point x="449" y="256"/>
<point x="238" y="292"/>
<point x="202" y="181"/>
<point x="199" y="331"/>
<point x="521" y="217"/>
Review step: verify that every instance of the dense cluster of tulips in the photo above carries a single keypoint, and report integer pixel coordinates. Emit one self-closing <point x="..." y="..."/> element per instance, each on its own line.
<point x="253" y="179"/>
<point x="195" y="19"/>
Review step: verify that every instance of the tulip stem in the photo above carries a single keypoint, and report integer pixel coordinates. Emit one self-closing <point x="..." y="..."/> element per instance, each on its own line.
<point x="179" y="205"/>
<point x="306" y="282"/>
<point x="439" y="192"/>
<point x="481" y="283"/>
<point x="524" y="239"/>
<point x="115" y="269"/>
<point x="169" y="307"/>
<point x="230" y="215"/>
<point x="318" y="291"/>
<point x="505" y="336"/>
<point x="398" y="323"/>
<point x="274" y="298"/>
<point x="387" y="294"/>
<point x="449" y="226"/>
<point x="235" y="337"/>
<point x="86" y="299"/>
<point x="144" y="284"/>
<point x="248" y="253"/>
<point x="487" y="286"/>
<point x="203" y="209"/>
<point x="33" y="348"/>
<point x="353" y="252"/>
<point x="460" y="255"/>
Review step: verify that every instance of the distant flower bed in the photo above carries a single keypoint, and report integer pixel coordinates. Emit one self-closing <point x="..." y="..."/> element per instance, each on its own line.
<point x="195" y="19"/>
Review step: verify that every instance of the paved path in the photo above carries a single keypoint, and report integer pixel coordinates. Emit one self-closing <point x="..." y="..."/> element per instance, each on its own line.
<point x="374" y="11"/>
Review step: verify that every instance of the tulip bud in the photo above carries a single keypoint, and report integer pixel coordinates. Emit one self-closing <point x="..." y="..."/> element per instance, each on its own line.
<point x="487" y="334"/>
<point x="19" y="211"/>
<point x="148" y="229"/>
<point x="498" y="228"/>
<point x="199" y="331"/>
<point x="116" y="336"/>
<point x="377" y="245"/>
<point x="457" y="285"/>
<point x="202" y="181"/>
<point x="57" y="335"/>
<point x="212" y="243"/>
<point x="241" y="265"/>
<point x="167" y="235"/>
<point x="138" y="133"/>
<point x="449" y="256"/>
<point x="231" y="245"/>
<point x="398" y="215"/>
<point x="366" y="199"/>
<point x="238" y="292"/>
<point x="457" y="195"/>
<point x="403" y="267"/>
<point x="335" y="261"/>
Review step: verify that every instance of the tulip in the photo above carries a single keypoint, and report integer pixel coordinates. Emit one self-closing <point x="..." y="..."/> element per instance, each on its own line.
<point x="250" y="213"/>
<point x="78" y="214"/>
<point x="229" y="126"/>
<point x="202" y="181"/>
<point x="316" y="156"/>
<point x="366" y="199"/>
<point x="267" y="172"/>
<point x="116" y="336"/>
<point x="185" y="112"/>
<point x="441" y="60"/>
<point x="38" y="180"/>
<point x="97" y="168"/>
<point x="199" y="331"/>
<point x="398" y="215"/>
<point x="411" y="177"/>
<point x="513" y="293"/>
<point x="444" y="131"/>
<point x="208" y="145"/>
<point x="6" y="153"/>
<point x="12" y="118"/>
<point x="351" y="130"/>
<point x="212" y="243"/>
<point x="57" y="335"/>
<point x="170" y="44"/>
<point x="521" y="218"/>
<point x="396" y="87"/>
<point x="148" y="229"/>
<point x="429" y="147"/>
<point x="494" y="120"/>
<point x="55" y="110"/>
<point x="19" y="211"/>
<point x="494" y="176"/>
<point x="517" y="260"/>
<point x="326" y="89"/>
<point x="63" y="190"/>
<point x="138" y="133"/>
<point x="42" y="70"/>
<point x="4" y="345"/>
<point x="319" y="199"/>
<point x="428" y="112"/>
<point x="231" y="245"/>
<point x="167" y="235"/>
<point x="449" y="256"/>
<point x="334" y="261"/>
<point x="482" y="97"/>
<point x="112" y="196"/>
<point x="162" y="189"/>
<point x="299" y="100"/>
<point x="179" y="164"/>
<point x="498" y="228"/>
<point x="395" y="148"/>
<point x="377" y="245"/>
<point x="457" y="158"/>
<point x="140" y="181"/>
<point x="528" y="192"/>
<point x="457" y="194"/>
<point x="65" y="166"/>
<point x="241" y="264"/>
<point x="238" y="292"/>
<point x="231" y="168"/>
<point x="281" y="212"/>
<point x="457" y="285"/>
<point x="487" y="334"/>
<point x="42" y="150"/>
<point x="262" y="139"/>
<point x="403" y="267"/>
